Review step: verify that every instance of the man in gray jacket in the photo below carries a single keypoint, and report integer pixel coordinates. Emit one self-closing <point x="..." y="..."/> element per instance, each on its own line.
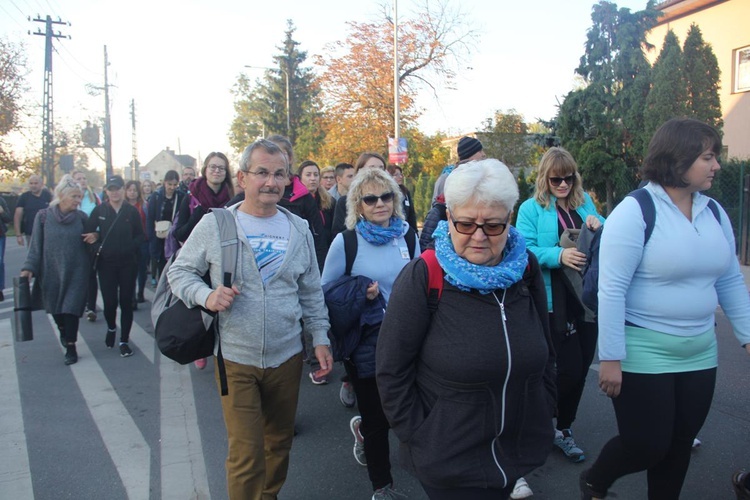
<point x="276" y="290"/>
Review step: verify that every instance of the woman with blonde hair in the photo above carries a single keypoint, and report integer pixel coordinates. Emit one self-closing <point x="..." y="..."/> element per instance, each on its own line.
<point x="383" y="245"/>
<point x="560" y="203"/>
<point x="58" y="255"/>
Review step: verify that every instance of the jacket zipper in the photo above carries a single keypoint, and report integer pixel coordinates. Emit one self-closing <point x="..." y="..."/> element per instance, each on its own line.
<point x="501" y="303"/>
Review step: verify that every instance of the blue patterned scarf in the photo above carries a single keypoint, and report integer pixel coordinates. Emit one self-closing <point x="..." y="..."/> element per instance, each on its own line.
<point x="379" y="235"/>
<point x="467" y="276"/>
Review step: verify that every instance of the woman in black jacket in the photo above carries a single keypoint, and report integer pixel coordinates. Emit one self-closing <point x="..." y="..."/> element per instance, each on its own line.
<point x="119" y="233"/>
<point x="163" y="206"/>
<point x="467" y="382"/>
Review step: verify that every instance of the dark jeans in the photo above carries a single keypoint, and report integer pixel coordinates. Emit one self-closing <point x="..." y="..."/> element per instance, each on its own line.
<point x="144" y="257"/>
<point x="658" y="416"/>
<point x="374" y="428"/>
<point x="574" y="355"/>
<point x="68" y="326"/>
<point x="118" y="285"/>
<point x="468" y="493"/>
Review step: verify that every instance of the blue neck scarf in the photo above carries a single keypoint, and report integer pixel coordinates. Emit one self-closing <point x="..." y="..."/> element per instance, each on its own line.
<point x="379" y="235"/>
<point x="467" y="276"/>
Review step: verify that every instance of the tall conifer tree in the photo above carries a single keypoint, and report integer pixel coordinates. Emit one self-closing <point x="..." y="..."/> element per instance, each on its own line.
<point x="702" y="77"/>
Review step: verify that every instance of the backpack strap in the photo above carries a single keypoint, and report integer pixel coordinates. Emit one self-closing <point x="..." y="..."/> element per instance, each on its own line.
<point x="229" y="251"/>
<point x="411" y="241"/>
<point x="350" y="249"/>
<point x="644" y="199"/>
<point x="714" y="209"/>
<point x="434" y="279"/>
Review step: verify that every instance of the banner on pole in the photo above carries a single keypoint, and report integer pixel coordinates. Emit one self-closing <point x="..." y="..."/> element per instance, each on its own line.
<point x="397" y="150"/>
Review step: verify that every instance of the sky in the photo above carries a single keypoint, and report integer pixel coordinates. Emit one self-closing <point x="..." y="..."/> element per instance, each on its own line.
<point x="178" y="61"/>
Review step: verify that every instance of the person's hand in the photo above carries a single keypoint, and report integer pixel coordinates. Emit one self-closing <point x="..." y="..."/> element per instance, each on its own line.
<point x="593" y="222"/>
<point x="325" y="358"/>
<point x="90" y="238"/>
<point x="747" y="348"/>
<point x="610" y="378"/>
<point x="372" y="290"/>
<point x="573" y="258"/>
<point x="27" y="274"/>
<point x="20" y="240"/>
<point x="221" y="299"/>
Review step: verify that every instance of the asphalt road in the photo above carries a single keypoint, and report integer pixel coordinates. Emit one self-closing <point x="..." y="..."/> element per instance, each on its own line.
<point x="146" y="428"/>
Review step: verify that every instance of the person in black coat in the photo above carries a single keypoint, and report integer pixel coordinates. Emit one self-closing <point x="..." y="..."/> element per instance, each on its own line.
<point x="118" y="235"/>
<point x="468" y="386"/>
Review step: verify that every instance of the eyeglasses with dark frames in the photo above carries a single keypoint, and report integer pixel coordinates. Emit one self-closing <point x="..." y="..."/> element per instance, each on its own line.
<point x="556" y="181"/>
<point x="488" y="228"/>
<point x="371" y="199"/>
<point x="263" y="175"/>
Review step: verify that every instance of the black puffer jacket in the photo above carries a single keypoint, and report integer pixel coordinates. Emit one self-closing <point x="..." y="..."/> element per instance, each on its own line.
<point x="470" y="389"/>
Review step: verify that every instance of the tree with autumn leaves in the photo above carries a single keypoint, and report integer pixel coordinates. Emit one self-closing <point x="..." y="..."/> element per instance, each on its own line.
<point x="357" y="75"/>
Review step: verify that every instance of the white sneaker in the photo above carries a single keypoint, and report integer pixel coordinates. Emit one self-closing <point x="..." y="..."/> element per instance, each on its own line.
<point x="521" y="490"/>
<point x="696" y="443"/>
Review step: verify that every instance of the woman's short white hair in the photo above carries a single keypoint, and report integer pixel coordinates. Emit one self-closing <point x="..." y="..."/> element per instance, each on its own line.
<point x="378" y="178"/>
<point x="482" y="182"/>
<point x="65" y="186"/>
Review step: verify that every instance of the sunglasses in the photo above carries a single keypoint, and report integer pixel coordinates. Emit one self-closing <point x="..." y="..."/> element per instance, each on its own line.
<point x="488" y="228"/>
<point x="370" y="200"/>
<point x="556" y="181"/>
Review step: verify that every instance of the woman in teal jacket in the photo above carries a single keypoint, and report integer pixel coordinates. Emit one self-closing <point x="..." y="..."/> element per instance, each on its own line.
<point x="560" y="203"/>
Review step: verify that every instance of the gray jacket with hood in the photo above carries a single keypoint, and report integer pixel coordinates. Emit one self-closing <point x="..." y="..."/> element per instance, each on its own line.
<point x="263" y="327"/>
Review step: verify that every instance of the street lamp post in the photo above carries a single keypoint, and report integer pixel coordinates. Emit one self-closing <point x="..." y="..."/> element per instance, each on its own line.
<point x="286" y="81"/>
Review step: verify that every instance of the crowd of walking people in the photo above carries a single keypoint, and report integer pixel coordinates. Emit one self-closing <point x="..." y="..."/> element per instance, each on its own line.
<point x="470" y="340"/>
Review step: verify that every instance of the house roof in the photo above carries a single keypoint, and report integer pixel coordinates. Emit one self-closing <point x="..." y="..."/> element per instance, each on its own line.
<point x="674" y="9"/>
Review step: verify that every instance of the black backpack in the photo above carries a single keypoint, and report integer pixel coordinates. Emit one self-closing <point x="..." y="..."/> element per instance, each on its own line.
<point x="590" y="270"/>
<point x="186" y="334"/>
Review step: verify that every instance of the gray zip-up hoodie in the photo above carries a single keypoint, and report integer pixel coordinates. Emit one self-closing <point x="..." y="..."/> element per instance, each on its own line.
<point x="262" y="328"/>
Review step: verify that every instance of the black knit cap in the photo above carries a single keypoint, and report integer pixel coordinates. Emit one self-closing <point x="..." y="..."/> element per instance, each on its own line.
<point x="467" y="147"/>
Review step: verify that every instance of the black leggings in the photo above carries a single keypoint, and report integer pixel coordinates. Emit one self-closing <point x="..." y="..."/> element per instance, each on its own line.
<point x="374" y="428"/>
<point x="658" y="416"/>
<point x="118" y="286"/>
<point x="574" y="355"/>
<point x="68" y="326"/>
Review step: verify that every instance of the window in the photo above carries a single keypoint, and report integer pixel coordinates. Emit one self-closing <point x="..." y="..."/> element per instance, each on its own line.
<point x="742" y="69"/>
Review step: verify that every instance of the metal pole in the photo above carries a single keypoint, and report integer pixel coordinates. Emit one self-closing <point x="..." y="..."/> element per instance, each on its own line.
<point x="395" y="71"/>
<point x="107" y="123"/>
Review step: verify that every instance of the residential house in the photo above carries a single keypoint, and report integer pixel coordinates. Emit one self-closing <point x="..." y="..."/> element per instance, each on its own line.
<point x="163" y="162"/>
<point x="723" y="24"/>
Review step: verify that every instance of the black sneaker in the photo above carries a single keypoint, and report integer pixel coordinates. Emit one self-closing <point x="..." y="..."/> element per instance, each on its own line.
<point x="110" y="340"/>
<point x="125" y="350"/>
<point x="71" y="355"/>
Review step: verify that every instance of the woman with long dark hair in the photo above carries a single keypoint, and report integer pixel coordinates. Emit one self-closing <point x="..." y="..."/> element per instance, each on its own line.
<point x="309" y="174"/>
<point x="213" y="189"/>
<point x="163" y="206"/>
<point x="133" y="195"/>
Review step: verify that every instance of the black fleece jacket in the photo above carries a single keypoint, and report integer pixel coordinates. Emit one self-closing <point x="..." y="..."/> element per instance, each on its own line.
<point x="123" y="241"/>
<point x="469" y="390"/>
